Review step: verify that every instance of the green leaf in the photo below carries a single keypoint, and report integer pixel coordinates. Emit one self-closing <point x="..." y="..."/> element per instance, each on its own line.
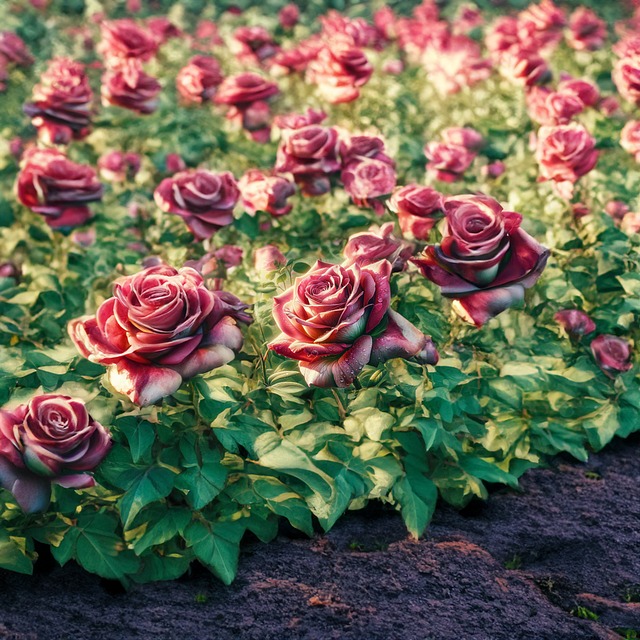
<point x="140" y="436"/>
<point x="163" y="527"/>
<point x="417" y="497"/>
<point x="13" y="554"/>
<point x="150" y="485"/>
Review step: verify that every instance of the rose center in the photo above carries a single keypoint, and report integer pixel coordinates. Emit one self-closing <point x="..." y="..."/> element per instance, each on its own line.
<point x="476" y="225"/>
<point x="58" y="422"/>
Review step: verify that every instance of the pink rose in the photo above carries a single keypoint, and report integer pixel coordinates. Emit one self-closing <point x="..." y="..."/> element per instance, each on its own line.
<point x="52" y="185"/>
<point x="138" y="91"/>
<point x="263" y="192"/>
<point x="13" y="49"/>
<point x="295" y="60"/>
<point x="630" y="223"/>
<point x="564" y="153"/>
<point x="173" y="163"/>
<point x="299" y="120"/>
<point x="124" y="40"/>
<point x="336" y="319"/>
<point x="288" y="16"/>
<point x="268" y="258"/>
<point x="357" y="148"/>
<point x="162" y="28"/>
<point x="552" y="107"/>
<point x="161" y="326"/>
<point x="203" y="199"/>
<point x="62" y="100"/>
<point x="586" y="32"/>
<point x="116" y="166"/>
<point x="612" y="354"/>
<point x="230" y="255"/>
<point x="253" y="45"/>
<point x="463" y="136"/>
<point x="630" y="138"/>
<point x="367" y="179"/>
<point x="626" y="77"/>
<point x="494" y="169"/>
<point x="485" y="261"/>
<point x="418" y="209"/>
<point x="447" y="162"/>
<point x="10" y="270"/>
<point x="52" y="439"/>
<point x="244" y="88"/>
<point x="586" y="90"/>
<point x="575" y="322"/>
<point x="199" y="79"/>
<point x="616" y="209"/>
<point x="355" y="31"/>
<point x="526" y="68"/>
<point x="378" y="243"/>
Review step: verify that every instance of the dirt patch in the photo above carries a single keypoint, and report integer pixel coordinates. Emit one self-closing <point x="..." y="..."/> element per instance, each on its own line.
<point x="558" y="561"/>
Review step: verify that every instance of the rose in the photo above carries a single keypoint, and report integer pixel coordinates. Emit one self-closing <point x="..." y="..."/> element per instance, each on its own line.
<point x="136" y="91"/>
<point x="13" y="49"/>
<point x="296" y="59"/>
<point x="268" y="258"/>
<point x="61" y="107"/>
<point x="447" y="162"/>
<point x="464" y="136"/>
<point x="630" y="138"/>
<point x="626" y="77"/>
<point x="263" y="192"/>
<point x="612" y="354"/>
<point x="299" y="120"/>
<point x="584" y="89"/>
<point x="199" y="79"/>
<point x="565" y="153"/>
<point x="378" y="243"/>
<point x="574" y="322"/>
<point x="358" y="148"/>
<point x="524" y="67"/>
<point x="552" y="107"/>
<point x="586" y="30"/>
<point x="356" y="31"/>
<point x="337" y="319"/>
<point x="52" y="439"/>
<point x="616" y="209"/>
<point x="310" y="153"/>
<point x="161" y="326"/>
<point x="52" y="185"/>
<point x="162" y="29"/>
<point x="124" y="40"/>
<point x="288" y="16"/>
<point x="116" y="166"/>
<point x="205" y="200"/>
<point x="253" y="45"/>
<point x="485" y="260"/>
<point x="368" y="179"/>
<point x="418" y="209"/>
<point x="244" y="88"/>
<point x="173" y="163"/>
<point x="630" y="223"/>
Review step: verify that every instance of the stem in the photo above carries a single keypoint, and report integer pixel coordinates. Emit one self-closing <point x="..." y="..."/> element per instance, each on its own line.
<point x="341" y="410"/>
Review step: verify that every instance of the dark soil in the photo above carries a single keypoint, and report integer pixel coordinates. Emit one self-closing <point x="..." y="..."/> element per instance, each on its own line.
<point x="560" y="561"/>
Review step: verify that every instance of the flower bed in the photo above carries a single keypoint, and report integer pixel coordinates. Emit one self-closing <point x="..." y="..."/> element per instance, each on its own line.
<point x="279" y="274"/>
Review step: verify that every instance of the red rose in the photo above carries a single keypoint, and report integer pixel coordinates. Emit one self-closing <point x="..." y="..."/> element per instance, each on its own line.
<point x="525" y="68"/>
<point x="52" y="439"/>
<point x="586" y="30"/>
<point x="299" y="120"/>
<point x="244" y="88"/>
<point x="57" y="188"/>
<point x="124" y="40"/>
<point x="378" y="243"/>
<point x="575" y="322"/>
<point x="296" y="59"/>
<point x="552" y="107"/>
<point x="418" y="209"/>
<point x="612" y="354"/>
<point x="365" y="180"/>
<point x="586" y="90"/>
<point x="199" y="79"/>
<point x="205" y="200"/>
<point x="485" y="260"/>
<point x="162" y="28"/>
<point x="253" y="45"/>
<point x="630" y="138"/>
<point x="268" y="258"/>
<point x="447" y="162"/>
<point x="288" y="16"/>
<point x="626" y="77"/>
<point x="263" y="192"/>
<point x="13" y="49"/>
<point x="358" y="148"/>
<point x="116" y="166"/>
<point x="138" y="91"/>
<point x="356" y="31"/>
<point x="161" y="326"/>
<point x="630" y="223"/>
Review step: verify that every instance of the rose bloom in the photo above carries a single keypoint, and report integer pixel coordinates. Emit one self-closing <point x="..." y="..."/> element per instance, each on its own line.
<point x="253" y="45"/>
<point x="244" y="88"/>
<point x="199" y="79"/>
<point x="268" y="258"/>
<point x="62" y="101"/>
<point x="357" y="148"/>
<point x="299" y="120"/>
<point x="626" y="77"/>
<point x="587" y="32"/>
<point x="630" y="223"/>
<point x="526" y="68"/>
<point x="173" y="163"/>
<point x="296" y="59"/>
<point x="203" y="199"/>
<point x="548" y="21"/>
<point x="418" y="209"/>
<point x="263" y="192"/>
<point x="586" y="90"/>
<point x="564" y="153"/>
<point x="612" y="354"/>
<point x="447" y="162"/>
<point x="310" y="153"/>
<point x="288" y="16"/>
<point x="138" y="93"/>
<point x="13" y="49"/>
<point x="616" y="209"/>
<point x="575" y="322"/>
<point x="464" y="136"/>
<point x="339" y="71"/>
<point x="52" y="185"/>
<point x="51" y="439"/>
<point x="485" y="261"/>
<point x="116" y="166"/>
<point x="336" y="319"/>
<point x="162" y="28"/>
<point x="367" y="179"/>
<point x="123" y="40"/>
<point x="10" y="270"/>
<point x="356" y="31"/>
<point x="161" y="326"/>
<point x="378" y="243"/>
<point x="630" y="138"/>
<point x="548" y="107"/>
<point x="494" y="169"/>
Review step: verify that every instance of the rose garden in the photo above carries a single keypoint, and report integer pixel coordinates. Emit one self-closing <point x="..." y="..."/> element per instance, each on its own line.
<point x="264" y="266"/>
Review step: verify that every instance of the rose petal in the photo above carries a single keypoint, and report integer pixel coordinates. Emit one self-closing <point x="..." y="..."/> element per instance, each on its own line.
<point x="477" y="308"/>
<point x="31" y="492"/>
<point x="400" y="339"/>
<point x="142" y="384"/>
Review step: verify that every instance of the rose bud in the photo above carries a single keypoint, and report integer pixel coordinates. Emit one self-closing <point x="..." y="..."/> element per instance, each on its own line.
<point x="288" y="16"/>
<point x="203" y="199"/>
<point x="366" y="180"/>
<point x="16" y="147"/>
<point x="229" y="254"/>
<point x="268" y="258"/>
<point x="630" y="223"/>
<point x="429" y="353"/>
<point x="626" y="77"/>
<point x="264" y="192"/>
<point x="586" y="31"/>
<point x="464" y="136"/>
<point x="161" y="326"/>
<point x="548" y="107"/>
<point x="62" y="100"/>
<point x="339" y="71"/>
<point x="576" y="323"/>
<point x="616" y="209"/>
<point x="84" y="238"/>
<point x="485" y="261"/>
<point x="10" y="270"/>
<point x="494" y="169"/>
<point x="52" y="439"/>
<point x="116" y="166"/>
<point x="584" y="89"/>
<point x="378" y="243"/>
<point x="564" y="153"/>
<point x="612" y="354"/>
<point x="609" y="106"/>
<point x="418" y="209"/>
<point x="124" y="40"/>
<point x="310" y="154"/>
<point x="13" y="49"/>
<point x="336" y="319"/>
<point x="162" y="29"/>
<point x="138" y="91"/>
<point x="447" y="162"/>
<point x="173" y="163"/>
<point x="52" y="185"/>
<point x="199" y="79"/>
<point x="580" y="210"/>
<point x="630" y="138"/>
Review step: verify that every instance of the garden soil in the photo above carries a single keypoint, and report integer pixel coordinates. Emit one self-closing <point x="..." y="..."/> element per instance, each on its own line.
<point x="558" y="561"/>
